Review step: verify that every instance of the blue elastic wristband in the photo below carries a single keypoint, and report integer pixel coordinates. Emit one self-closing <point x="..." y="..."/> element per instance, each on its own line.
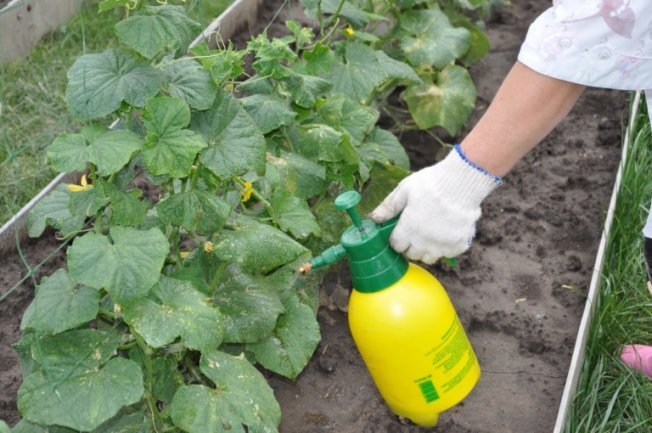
<point x="496" y="179"/>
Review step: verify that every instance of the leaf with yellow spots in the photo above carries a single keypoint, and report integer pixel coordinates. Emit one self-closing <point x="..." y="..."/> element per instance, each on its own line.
<point x="79" y="360"/>
<point x="176" y="309"/>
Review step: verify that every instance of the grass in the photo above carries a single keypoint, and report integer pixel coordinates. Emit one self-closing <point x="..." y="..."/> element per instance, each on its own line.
<point x="32" y="97"/>
<point x="610" y="396"/>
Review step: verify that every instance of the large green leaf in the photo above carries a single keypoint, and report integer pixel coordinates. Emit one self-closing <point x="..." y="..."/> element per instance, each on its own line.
<point x="363" y="69"/>
<point x="301" y="176"/>
<point x="382" y="146"/>
<point x="268" y="111"/>
<point x="250" y="306"/>
<point x="319" y="60"/>
<point x="4" y="428"/>
<point x="109" y="151"/>
<point x="176" y="309"/>
<point x="258" y="248"/>
<point x="157" y="29"/>
<point x="319" y="142"/>
<point x="357" y="74"/>
<point x="169" y="149"/>
<point x="293" y="215"/>
<point x="236" y="145"/>
<point x="59" y="305"/>
<point x="446" y="103"/>
<point x="433" y="40"/>
<point x="53" y="210"/>
<point x="98" y="83"/>
<point x="187" y="80"/>
<point x="127" y="264"/>
<point x="396" y="69"/>
<point x="79" y="384"/>
<point x="295" y="338"/>
<point x="241" y="398"/>
<point x="194" y="210"/>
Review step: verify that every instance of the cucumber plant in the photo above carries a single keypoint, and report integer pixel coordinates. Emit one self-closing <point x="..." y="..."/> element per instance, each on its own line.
<point x="168" y="298"/>
<point x="194" y="213"/>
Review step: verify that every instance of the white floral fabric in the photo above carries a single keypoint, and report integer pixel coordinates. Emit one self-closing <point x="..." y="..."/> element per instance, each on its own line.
<point x="598" y="43"/>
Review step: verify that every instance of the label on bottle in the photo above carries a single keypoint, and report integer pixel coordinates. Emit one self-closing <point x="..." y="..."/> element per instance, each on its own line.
<point x="452" y="358"/>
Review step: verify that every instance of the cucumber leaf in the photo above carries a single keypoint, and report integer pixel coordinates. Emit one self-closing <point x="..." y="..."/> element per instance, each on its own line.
<point x="250" y="306"/>
<point x="80" y="384"/>
<point x="258" y="248"/>
<point x="188" y="81"/>
<point x="53" y="210"/>
<point x="156" y="29"/>
<point x="176" y="309"/>
<point x="127" y="264"/>
<point x="169" y="148"/>
<point x="295" y="338"/>
<point x="432" y="40"/>
<point x="59" y="305"/>
<point x="241" y="398"/>
<point x="448" y="102"/>
<point x="99" y="83"/>
<point x="236" y="145"/>
<point x="109" y="151"/>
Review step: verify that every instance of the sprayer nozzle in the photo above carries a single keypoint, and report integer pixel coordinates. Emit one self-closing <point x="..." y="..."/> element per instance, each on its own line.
<point x="305" y="268"/>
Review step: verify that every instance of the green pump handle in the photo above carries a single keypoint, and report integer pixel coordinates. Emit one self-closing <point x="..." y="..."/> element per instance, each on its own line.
<point x="348" y="202"/>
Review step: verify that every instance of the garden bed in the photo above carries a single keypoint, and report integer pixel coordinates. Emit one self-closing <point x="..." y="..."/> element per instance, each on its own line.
<point x="519" y="292"/>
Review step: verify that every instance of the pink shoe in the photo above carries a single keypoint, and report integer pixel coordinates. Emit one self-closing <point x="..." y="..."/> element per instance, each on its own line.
<point x="638" y="357"/>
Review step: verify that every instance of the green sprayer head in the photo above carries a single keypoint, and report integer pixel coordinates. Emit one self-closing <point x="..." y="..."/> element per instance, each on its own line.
<point x="374" y="264"/>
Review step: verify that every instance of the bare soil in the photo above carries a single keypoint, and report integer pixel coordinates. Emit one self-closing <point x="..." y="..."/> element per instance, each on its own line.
<point x="519" y="291"/>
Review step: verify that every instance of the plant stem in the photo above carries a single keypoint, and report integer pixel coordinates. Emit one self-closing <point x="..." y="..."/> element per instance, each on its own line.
<point x="107" y="313"/>
<point x="336" y="14"/>
<point x="192" y="369"/>
<point x="217" y="276"/>
<point x="145" y="352"/>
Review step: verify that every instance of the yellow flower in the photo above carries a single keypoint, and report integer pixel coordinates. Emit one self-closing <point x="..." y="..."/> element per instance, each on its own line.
<point x="349" y="31"/>
<point x="184" y="254"/>
<point x="208" y="246"/>
<point x="246" y="192"/>
<point x="82" y="187"/>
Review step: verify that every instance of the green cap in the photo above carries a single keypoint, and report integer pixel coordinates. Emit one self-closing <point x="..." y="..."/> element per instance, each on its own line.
<point x="374" y="264"/>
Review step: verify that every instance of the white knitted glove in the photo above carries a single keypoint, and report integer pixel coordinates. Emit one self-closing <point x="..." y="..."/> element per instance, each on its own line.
<point x="439" y="206"/>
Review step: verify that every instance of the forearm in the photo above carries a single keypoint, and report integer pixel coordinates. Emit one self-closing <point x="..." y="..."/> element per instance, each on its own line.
<point x="527" y="106"/>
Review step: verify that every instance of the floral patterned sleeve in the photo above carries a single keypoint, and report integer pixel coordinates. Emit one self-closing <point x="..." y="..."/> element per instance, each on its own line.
<point x="598" y="43"/>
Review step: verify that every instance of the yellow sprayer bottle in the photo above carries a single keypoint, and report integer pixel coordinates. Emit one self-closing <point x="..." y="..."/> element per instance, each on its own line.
<point x="402" y="322"/>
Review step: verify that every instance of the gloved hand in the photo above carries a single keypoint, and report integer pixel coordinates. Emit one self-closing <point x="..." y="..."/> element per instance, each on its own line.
<point x="439" y="206"/>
